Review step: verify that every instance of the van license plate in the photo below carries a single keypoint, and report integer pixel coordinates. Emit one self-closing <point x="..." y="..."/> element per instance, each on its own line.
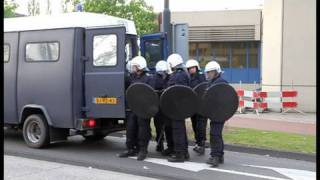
<point x="108" y="100"/>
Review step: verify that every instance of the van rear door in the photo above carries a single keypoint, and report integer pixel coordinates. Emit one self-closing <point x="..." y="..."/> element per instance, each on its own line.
<point x="10" y="52"/>
<point x="105" y="72"/>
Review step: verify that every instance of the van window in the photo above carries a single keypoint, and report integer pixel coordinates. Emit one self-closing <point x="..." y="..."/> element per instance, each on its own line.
<point x="6" y="52"/>
<point x="48" y="51"/>
<point x="128" y="51"/>
<point x="105" y="50"/>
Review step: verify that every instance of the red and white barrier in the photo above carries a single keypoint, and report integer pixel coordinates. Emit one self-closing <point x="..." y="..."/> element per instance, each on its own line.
<point x="261" y="100"/>
<point x="252" y="103"/>
<point x="289" y="93"/>
<point x="245" y="93"/>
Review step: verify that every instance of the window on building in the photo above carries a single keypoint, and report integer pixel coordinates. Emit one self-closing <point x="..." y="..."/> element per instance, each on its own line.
<point x="239" y="55"/>
<point x="239" y="60"/>
<point x="253" y="54"/>
<point x="220" y="53"/>
<point x="6" y="52"/>
<point x="48" y="51"/>
<point x="192" y="50"/>
<point x="105" y="50"/>
<point x="205" y="53"/>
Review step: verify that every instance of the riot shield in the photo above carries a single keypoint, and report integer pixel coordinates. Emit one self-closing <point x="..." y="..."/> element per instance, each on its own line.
<point x="200" y="90"/>
<point x="178" y="102"/>
<point x="219" y="102"/>
<point x="142" y="100"/>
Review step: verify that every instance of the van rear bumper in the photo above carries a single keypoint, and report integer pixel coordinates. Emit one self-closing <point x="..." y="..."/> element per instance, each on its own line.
<point x="104" y="126"/>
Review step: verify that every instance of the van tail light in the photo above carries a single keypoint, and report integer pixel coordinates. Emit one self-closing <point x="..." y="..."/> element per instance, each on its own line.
<point x="89" y="123"/>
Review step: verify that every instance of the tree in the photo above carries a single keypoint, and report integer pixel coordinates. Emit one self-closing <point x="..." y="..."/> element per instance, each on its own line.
<point x="48" y="9"/>
<point x="66" y="3"/>
<point x="136" y="10"/>
<point x="33" y="7"/>
<point x="9" y="9"/>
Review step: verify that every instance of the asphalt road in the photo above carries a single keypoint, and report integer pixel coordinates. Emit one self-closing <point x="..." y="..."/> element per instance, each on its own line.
<point x="103" y="155"/>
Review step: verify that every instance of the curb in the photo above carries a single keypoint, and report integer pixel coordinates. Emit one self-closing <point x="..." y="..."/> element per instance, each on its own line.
<point x="256" y="150"/>
<point x="271" y="152"/>
<point x="265" y="152"/>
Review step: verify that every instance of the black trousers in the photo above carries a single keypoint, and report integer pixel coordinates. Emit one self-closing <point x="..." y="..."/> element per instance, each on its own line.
<point x="216" y="140"/>
<point x="179" y="135"/>
<point x="162" y="121"/>
<point x="199" y="126"/>
<point x="159" y="120"/>
<point x="138" y="132"/>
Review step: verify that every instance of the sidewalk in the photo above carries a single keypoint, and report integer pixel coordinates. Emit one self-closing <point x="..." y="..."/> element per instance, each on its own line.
<point x="16" y="168"/>
<point x="271" y="121"/>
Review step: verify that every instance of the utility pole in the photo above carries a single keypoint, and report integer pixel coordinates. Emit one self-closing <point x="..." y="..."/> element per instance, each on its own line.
<point x="166" y="24"/>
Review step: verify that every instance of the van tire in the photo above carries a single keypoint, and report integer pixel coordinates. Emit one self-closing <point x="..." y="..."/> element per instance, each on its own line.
<point x="36" y="131"/>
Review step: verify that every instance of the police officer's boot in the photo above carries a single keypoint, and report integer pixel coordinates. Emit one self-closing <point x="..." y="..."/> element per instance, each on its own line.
<point x="177" y="157"/>
<point x="167" y="152"/>
<point x="200" y="149"/>
<point x="213" y="161"/>
<point x="195" y="147"/>
<point x="221" y="159"/>
<point x="187" y="156"/>
<point x="142" y="153"/>
<point x="159" y="147"/>
<point x="129" y="152"/>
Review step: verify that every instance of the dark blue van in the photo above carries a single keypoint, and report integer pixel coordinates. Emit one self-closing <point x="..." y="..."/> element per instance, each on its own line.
<point x="65" y="75"/>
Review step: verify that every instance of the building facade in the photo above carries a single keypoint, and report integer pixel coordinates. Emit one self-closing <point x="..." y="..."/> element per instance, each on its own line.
<point x="289" y="49"/>
<point x="233" y="38"/>
<point x="272" y="49"/>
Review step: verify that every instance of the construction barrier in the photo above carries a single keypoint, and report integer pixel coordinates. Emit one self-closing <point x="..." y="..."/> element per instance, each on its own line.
<point x="260" y="101"/>
<point x="248" y="99"/>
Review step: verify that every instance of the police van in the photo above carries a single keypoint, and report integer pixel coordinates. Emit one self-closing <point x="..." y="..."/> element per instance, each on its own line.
<point x="65" y="75"/>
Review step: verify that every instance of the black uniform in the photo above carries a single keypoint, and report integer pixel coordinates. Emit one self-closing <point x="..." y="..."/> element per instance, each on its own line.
<point x="199" y="123"/>
<point x="179" y="134"/>
<point x="216" y="140"/>
<point x="138" y="129"/>
<point x="160" y="82"/>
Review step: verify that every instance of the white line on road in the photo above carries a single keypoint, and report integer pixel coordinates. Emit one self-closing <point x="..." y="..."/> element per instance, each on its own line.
<point x="294" y="174"/>
<point x="196" y="167"/>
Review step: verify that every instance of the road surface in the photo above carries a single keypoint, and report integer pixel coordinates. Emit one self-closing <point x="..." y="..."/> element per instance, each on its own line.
<point x="103" y="155"/>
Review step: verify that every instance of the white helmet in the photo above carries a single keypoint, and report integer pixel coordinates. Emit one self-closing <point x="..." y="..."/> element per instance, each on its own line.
<point x="140" y="62"/>
<point x="211" y="66"/>
<point x="192" y="63"/>
<point x="162" y="66"/>
<point x="174" y="60"/>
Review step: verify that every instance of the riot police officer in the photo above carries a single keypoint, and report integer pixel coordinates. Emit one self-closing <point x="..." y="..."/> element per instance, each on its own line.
<point x="213" y="76"/>
<point x="179" y="76"/>
<point x="161" y="78"/>
<point x="199" y="123"/>
<point x="138" y="129"/>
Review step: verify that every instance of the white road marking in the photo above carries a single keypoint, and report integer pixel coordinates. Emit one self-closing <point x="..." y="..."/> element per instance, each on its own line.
<point x="196" y="167"/>
<point x="294" y="174"/>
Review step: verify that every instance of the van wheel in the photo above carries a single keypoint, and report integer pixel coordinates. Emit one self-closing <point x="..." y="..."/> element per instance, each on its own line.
<point x="36" y="131"/>
<point x="96" y="137"/>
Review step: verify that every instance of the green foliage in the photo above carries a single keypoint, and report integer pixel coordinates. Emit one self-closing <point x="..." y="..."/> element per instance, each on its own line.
<point x="270" y="139"/>
<point x="136" y="10"/>
<point x="9" y="9"/>
<point x="261" y="139"/>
